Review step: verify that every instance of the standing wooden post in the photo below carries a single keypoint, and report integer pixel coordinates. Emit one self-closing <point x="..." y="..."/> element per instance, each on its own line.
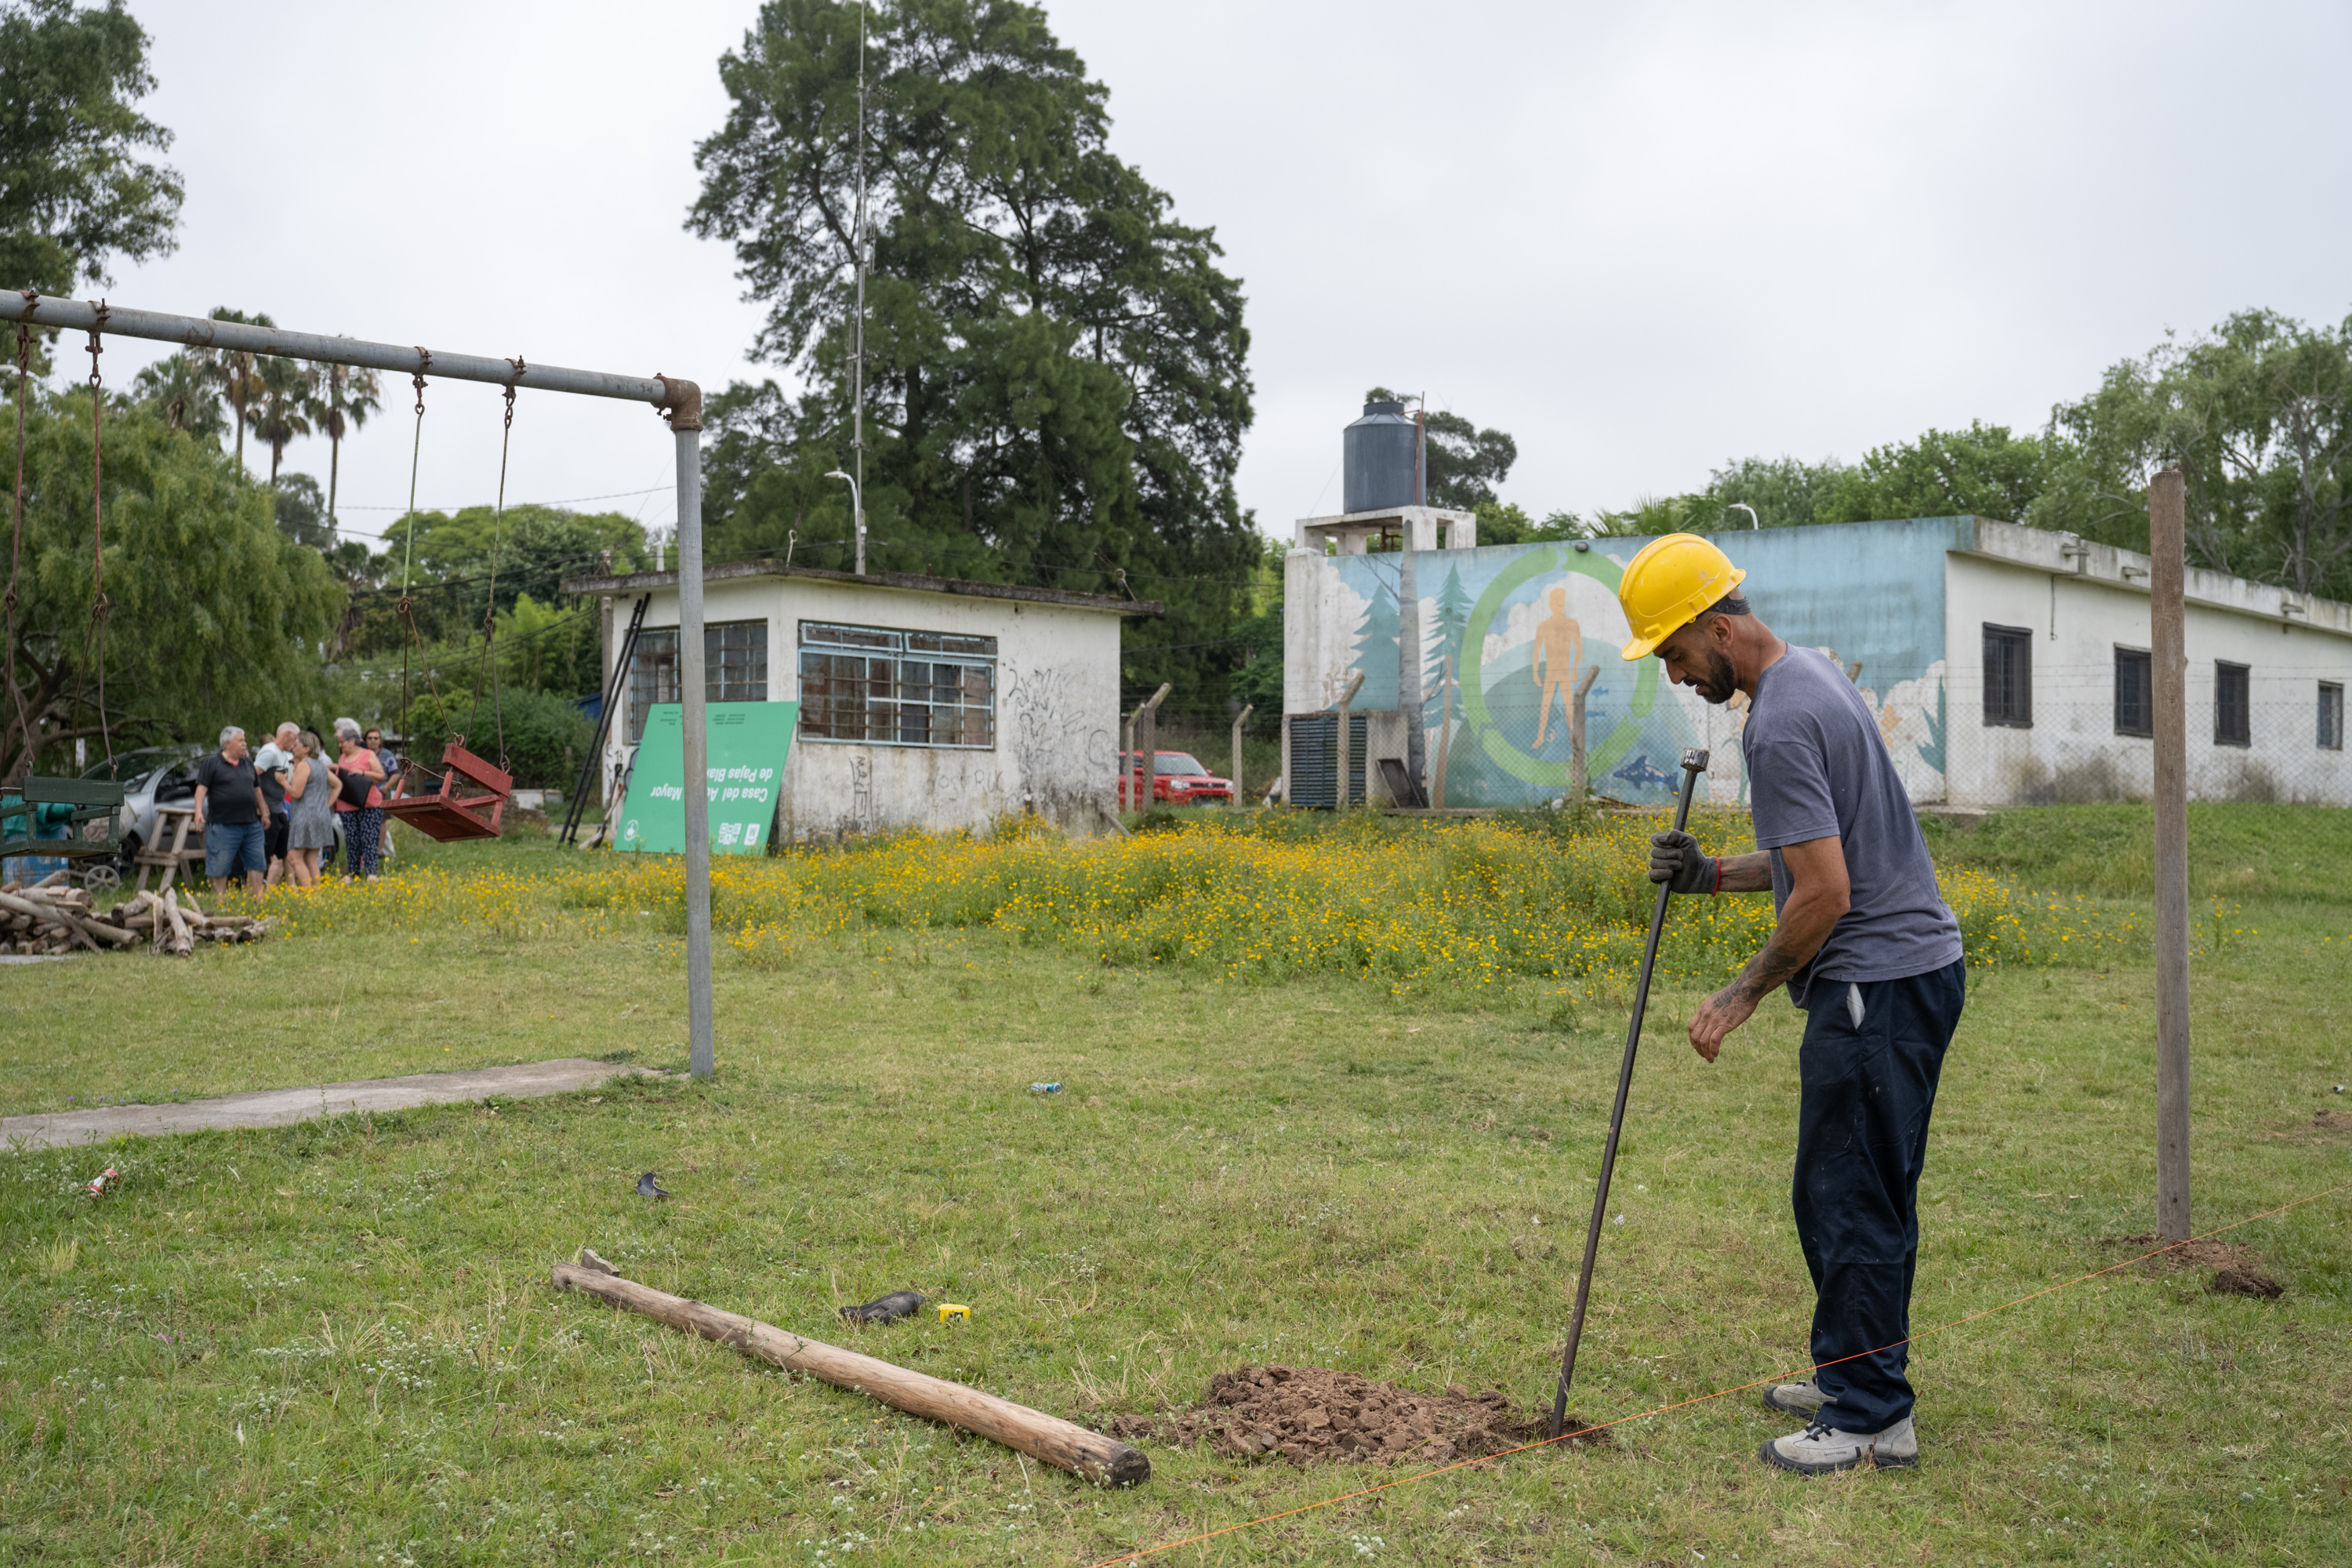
<point x="1234" y="802"/>
<point x="1444" y="734"/>
<point x="2169" y="657"/>
<point x="1146" y="742"/>
<point x="1578" y="786"/>
<point x="1127" y="764"/>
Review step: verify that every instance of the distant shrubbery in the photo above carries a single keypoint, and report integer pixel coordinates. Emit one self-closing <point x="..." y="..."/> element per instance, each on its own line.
<point x="544" y="735"/>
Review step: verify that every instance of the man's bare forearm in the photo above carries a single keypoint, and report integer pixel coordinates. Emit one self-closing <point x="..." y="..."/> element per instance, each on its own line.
<point x="1745" y="873"/>
<point x="1804" y="925"/>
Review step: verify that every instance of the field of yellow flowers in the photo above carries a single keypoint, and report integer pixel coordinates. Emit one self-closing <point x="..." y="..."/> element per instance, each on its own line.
<point x="1417" y="907"/>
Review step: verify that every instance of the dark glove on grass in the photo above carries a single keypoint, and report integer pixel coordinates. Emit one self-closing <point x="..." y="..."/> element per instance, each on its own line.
<point x="1675" y="860"/>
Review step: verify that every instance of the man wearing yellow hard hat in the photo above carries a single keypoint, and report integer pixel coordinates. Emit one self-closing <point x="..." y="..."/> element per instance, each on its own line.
<point x="1867" y="946"/>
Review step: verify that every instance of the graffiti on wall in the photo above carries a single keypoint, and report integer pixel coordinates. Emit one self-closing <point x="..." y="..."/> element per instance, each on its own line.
<point x="1507" y="633"/>
<point x="1062" y="753"/>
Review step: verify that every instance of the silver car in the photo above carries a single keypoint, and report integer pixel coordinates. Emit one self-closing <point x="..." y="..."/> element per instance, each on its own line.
<point x="157" y="776"/>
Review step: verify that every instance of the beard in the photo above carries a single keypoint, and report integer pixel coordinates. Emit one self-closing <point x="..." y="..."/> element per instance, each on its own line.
<point x="1721" y="681"/>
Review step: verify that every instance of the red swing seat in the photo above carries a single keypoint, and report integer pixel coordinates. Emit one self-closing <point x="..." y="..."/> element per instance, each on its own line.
<point x="472" y="795"/>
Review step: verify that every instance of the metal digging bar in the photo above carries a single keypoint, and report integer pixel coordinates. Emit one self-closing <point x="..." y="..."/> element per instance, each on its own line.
<point x="677" y="400"/>
<point x="1694" y="764"/>
<point x="593" y="763"/>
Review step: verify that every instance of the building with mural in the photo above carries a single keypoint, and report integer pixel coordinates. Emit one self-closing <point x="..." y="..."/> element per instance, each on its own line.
<point x="2006" y="665"/>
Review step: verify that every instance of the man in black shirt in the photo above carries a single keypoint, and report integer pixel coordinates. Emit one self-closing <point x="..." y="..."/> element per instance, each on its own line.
<point x="231" y="814"/>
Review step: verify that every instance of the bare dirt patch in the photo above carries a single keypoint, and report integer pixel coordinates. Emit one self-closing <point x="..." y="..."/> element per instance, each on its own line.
<point x="1309" y="1415"/>
<point x="2190" y="1254"/>
<point x="2246" y="1282"/>
<point x="2237" y="1268"/>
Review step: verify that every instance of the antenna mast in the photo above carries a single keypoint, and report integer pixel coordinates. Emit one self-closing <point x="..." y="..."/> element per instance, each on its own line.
<point x="857" y="364"/>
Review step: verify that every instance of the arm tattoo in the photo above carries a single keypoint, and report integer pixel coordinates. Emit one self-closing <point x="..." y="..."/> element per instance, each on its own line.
<point x="1768" y="969"/>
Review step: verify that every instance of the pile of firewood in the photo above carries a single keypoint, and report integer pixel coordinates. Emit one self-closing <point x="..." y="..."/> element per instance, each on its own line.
<point x="52" y="916"/>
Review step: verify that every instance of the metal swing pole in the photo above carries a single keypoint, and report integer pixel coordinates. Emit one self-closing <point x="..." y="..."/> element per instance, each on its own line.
<point x="677" y="400"/>
<point x="692" y="696"/>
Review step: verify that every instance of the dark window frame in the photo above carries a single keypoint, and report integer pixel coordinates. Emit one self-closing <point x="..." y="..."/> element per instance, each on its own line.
<point x="734" y="669"/>
<point x="2331" y="716"/>
<point x="887" y="686"/>
<point x="2227" y="674"/>
<point x="2008" y="677"/>
<point x="2134" y="691"/>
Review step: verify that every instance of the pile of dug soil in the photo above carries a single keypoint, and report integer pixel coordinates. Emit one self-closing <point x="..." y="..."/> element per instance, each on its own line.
<point x="2245" y="1282"/>
<point x="1307" y="1414"/>
<point x="2238" y="1267"/>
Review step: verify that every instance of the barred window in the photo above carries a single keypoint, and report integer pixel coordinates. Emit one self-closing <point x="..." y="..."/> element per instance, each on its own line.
<point x="2331" y="716"/>
<point x="734" y="668"/>
<point x="2232" y="712"/>
<point x="2135" y="692"/>
<point x="898" y="687"/>
<point x="2009" y="676"/>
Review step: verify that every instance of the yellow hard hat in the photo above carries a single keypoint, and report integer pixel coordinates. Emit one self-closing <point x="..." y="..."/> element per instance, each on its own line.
<point x="1668" y="583"/>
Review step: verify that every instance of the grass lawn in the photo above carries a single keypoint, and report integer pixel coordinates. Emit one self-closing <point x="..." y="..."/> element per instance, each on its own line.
<point x="1317" y="1171"/>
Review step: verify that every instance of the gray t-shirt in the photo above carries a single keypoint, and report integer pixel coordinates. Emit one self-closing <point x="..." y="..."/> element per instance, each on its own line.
<point x="1817" y="768"/>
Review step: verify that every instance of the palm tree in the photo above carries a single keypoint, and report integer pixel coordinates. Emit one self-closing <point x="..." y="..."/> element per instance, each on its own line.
<point x="232" y="370"/>
<point x="178" y="388"/>
<point x="352" y="394"/>
<point x="288" y="401"/>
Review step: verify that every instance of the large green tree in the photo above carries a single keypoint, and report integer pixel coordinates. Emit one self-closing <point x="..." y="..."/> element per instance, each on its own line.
<point x="236" y="373"/>
<point x="454" y="564"/>
<point x="214" y="616"/>
<point x="352" y="394"/>
<point x="287" y="407"/>
<point x="1057" y="386"/>
<point x="74" y="190"/>
<point x="2258" y="417"/>
<point x="179" y="389"/>
<point x="1981" y="471"/>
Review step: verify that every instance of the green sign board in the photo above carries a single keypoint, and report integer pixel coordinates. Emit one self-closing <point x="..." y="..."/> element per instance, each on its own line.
<point x="748" y="743"/>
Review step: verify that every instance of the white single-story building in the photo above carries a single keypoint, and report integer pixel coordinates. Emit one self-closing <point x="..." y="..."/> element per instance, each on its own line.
<point x="2006" y="665"/>
<point x="926" y="702"/>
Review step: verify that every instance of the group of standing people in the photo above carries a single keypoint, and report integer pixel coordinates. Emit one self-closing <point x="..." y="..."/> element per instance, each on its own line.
<point x="270" y="815"/>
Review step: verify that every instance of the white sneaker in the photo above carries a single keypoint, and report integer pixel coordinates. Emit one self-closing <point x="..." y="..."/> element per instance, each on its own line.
<point x="1820" y="1450"/>
<point x="1795" y="1398"/>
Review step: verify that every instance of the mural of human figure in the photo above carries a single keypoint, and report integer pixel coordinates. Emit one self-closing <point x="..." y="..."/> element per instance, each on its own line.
<point x="1559" y="646"/>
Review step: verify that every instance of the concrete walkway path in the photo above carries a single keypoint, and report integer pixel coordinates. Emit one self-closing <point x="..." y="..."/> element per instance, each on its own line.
<point x="278" y="1106"/>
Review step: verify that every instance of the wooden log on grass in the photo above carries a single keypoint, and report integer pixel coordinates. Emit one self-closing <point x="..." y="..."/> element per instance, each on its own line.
<point x="1061" y="1444"/>
<point x="179" y="942"/>
<point x="44" y="913"/>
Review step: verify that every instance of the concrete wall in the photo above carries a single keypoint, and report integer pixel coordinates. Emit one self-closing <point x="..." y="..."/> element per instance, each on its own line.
<point x="1899" y="605"/>
<point x="1057" y="710"/>
<point x="2080" y="607"/>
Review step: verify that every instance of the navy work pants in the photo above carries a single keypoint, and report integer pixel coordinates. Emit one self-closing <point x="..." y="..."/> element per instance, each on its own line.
<point x="1862" y="1140"/>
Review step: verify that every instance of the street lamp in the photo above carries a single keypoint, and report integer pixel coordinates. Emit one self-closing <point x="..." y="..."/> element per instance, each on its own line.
<point x="1743" y="506"/>
<point x="857" y="513"/>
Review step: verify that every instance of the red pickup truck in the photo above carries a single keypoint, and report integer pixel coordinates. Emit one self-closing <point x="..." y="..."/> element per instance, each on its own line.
<point x="1177" y="778"/>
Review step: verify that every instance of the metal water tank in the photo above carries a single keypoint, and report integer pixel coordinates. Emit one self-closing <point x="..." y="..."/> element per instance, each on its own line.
<point x="1380" y="465"/>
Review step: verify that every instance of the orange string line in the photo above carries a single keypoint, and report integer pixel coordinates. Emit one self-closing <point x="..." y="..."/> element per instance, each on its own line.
<point x="1703" y="1398"/>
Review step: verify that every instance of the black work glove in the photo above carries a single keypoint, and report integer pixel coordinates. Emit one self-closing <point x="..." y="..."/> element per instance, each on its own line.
<point x="1675" y="860"/>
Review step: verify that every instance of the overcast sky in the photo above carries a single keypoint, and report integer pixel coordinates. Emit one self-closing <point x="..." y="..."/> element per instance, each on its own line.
<point x="1642" y="239"/>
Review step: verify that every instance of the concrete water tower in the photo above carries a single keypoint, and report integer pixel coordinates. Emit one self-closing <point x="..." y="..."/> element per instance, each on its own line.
<point x="1385" y="488"/>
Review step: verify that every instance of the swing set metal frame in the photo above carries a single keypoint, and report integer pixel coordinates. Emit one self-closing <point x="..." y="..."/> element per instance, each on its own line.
<point x="676" y="399"/>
